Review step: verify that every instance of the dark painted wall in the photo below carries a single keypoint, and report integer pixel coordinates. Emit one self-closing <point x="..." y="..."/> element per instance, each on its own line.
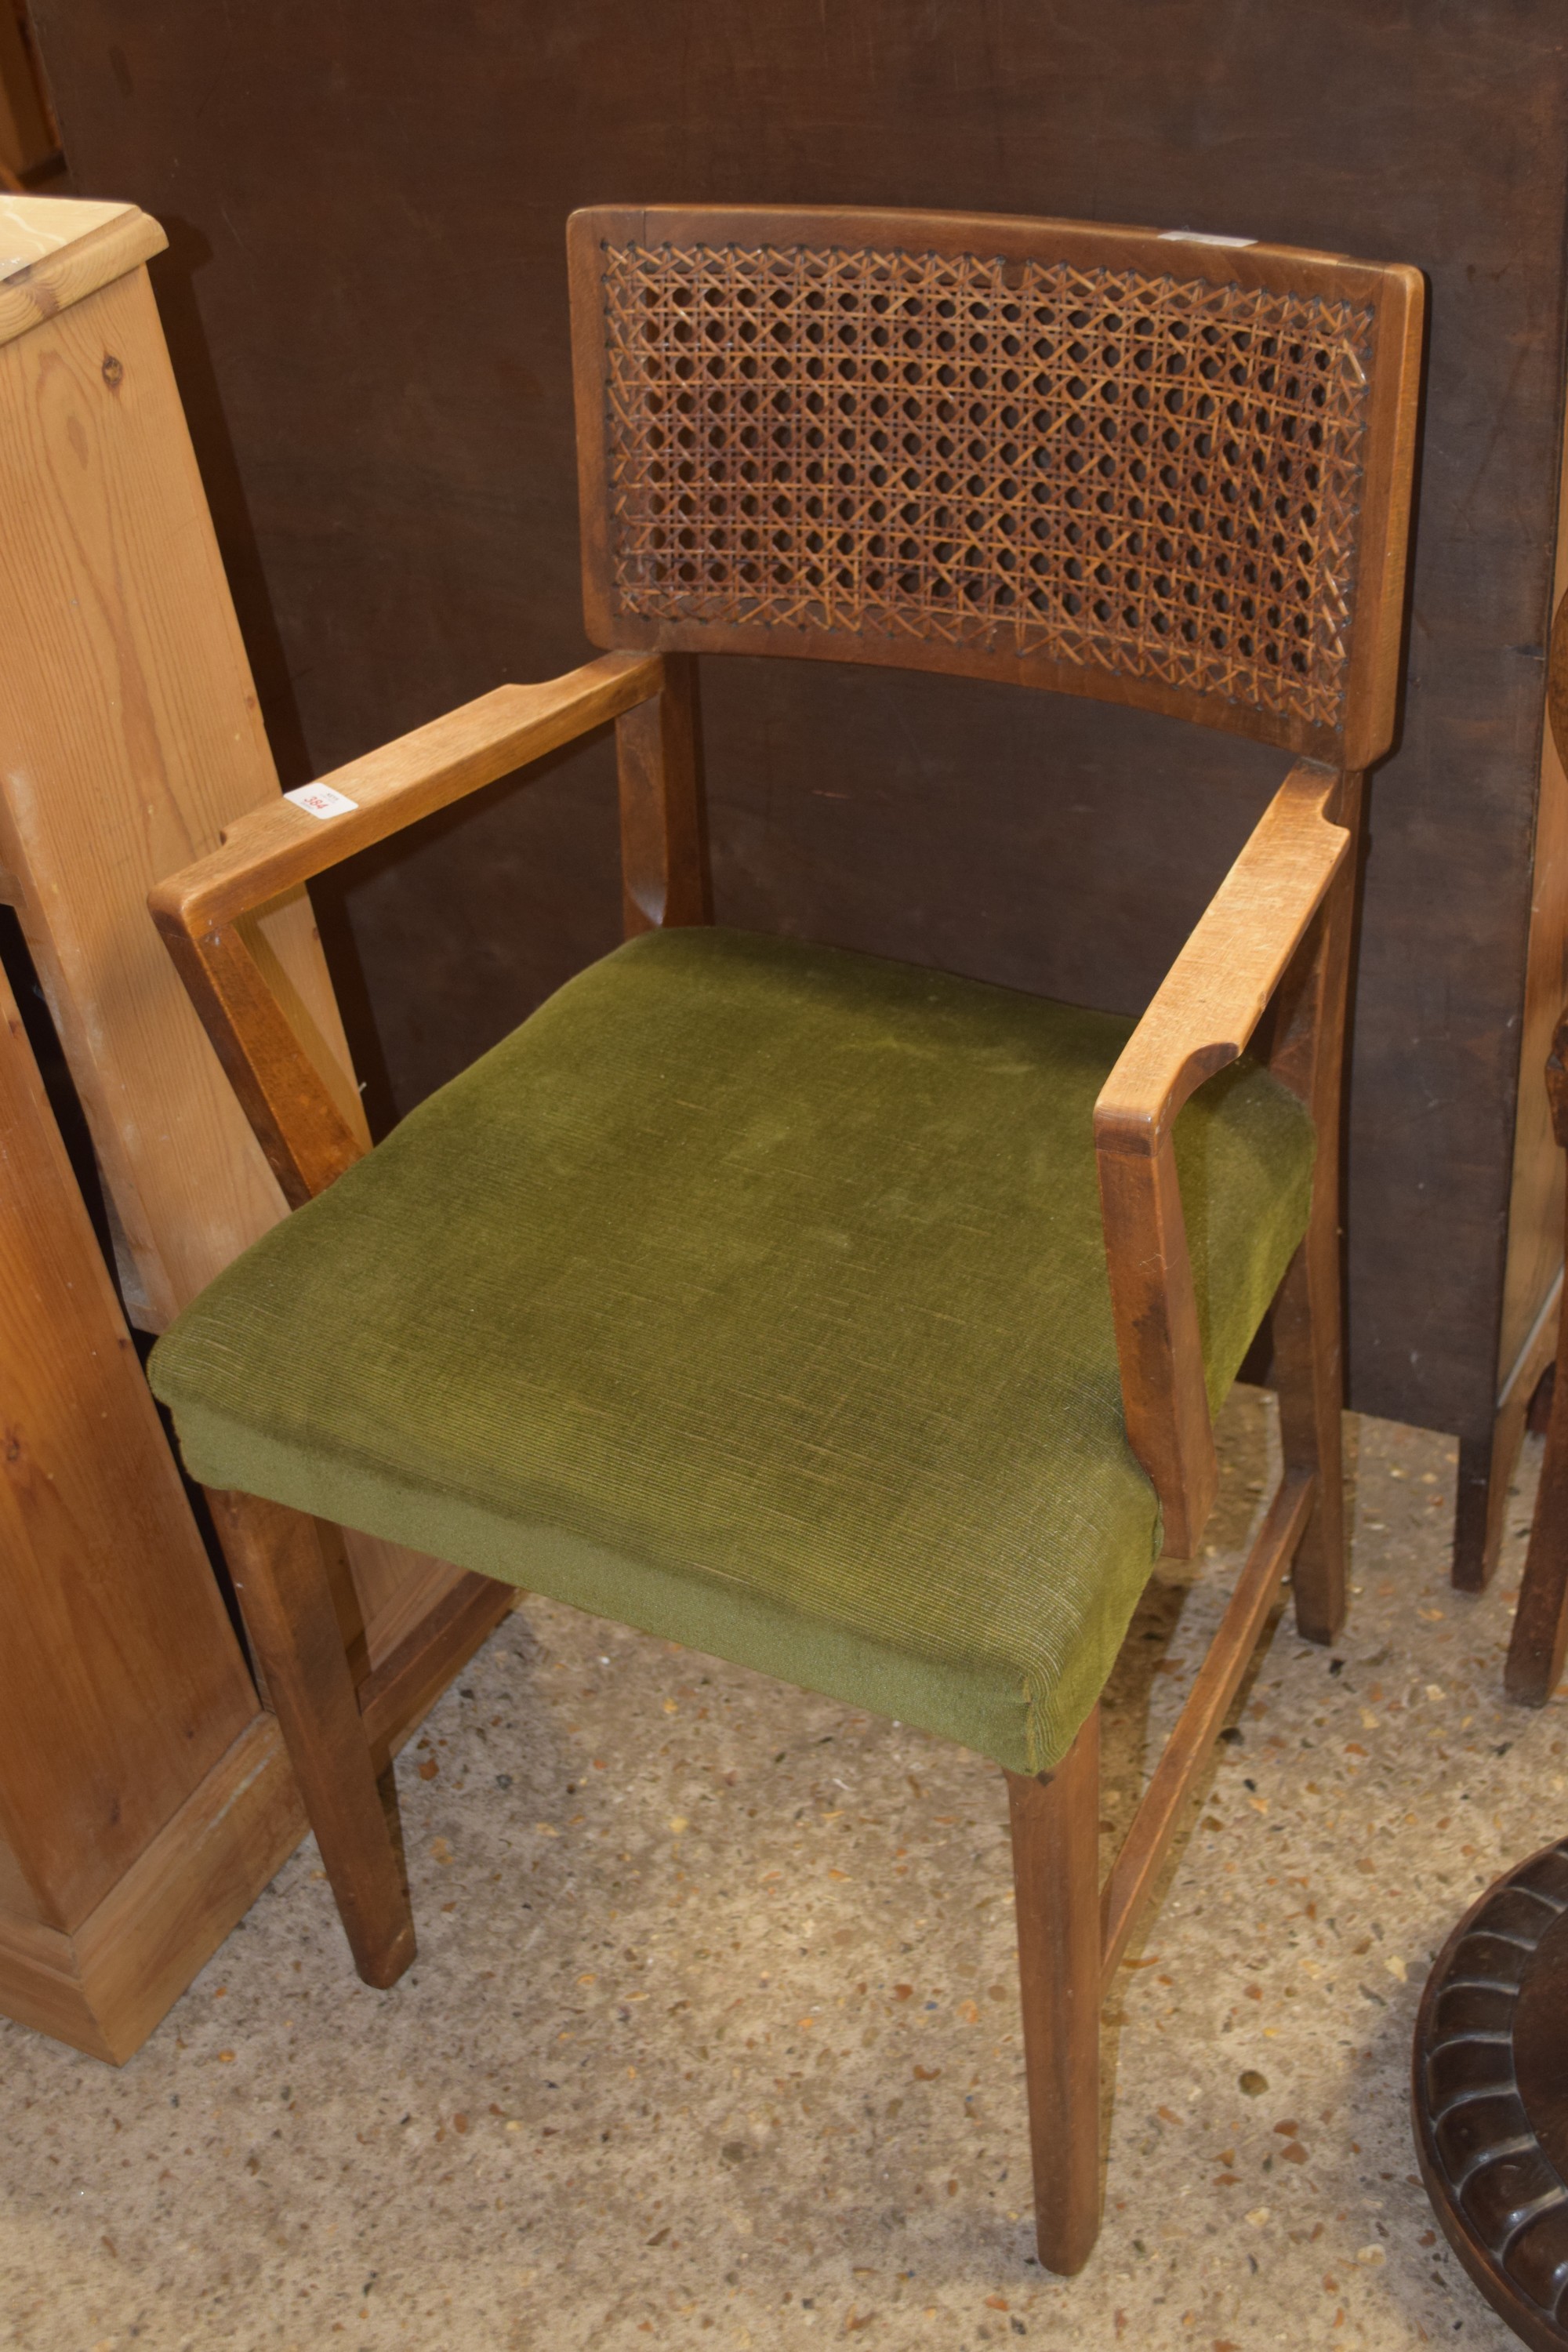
<point x="367" y="305"/>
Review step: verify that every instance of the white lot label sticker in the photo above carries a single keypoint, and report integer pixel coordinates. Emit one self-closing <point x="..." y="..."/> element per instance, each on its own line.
<point x="320" y="800"/>
<point x="1200" y="237"/>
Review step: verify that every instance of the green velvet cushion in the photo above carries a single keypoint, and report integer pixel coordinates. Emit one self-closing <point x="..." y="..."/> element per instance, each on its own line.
<point x="753" y="1293"/>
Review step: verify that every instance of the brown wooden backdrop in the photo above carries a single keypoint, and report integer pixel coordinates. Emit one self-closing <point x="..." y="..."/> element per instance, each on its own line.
<point x="367" y="299"/>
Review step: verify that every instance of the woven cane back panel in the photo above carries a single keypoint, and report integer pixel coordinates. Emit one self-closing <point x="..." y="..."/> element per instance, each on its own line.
<point x="1149" y="475"/>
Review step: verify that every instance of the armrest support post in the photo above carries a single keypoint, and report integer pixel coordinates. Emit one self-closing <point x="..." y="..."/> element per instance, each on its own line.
<point x="1154" y="1306"/>
<point x="1201" y="1018"/>
<point x="664" y="854"/>
<point x="305" y="1136"/>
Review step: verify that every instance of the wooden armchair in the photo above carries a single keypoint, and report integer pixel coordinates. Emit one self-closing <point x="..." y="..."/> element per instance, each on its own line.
<point x="756" y="1293"/>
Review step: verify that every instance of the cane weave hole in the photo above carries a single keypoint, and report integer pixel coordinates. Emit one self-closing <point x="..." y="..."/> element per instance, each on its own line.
<point x="1155" y="477"/>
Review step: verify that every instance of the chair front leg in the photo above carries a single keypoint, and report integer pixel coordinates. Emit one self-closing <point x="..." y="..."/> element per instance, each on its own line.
<point x="1056" y="1874"/>
<point x="281" y="1576"/>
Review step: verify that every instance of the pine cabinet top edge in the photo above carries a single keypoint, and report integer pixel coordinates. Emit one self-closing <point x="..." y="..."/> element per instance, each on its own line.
<point x="56" y="250"/>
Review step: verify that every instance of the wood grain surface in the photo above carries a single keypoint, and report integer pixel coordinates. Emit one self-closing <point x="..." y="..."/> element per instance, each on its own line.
<point x="50" y="257"/>
<point x="130" y="737"/>
<point x="113" y="582"/>
<point x="121" y="1683"/>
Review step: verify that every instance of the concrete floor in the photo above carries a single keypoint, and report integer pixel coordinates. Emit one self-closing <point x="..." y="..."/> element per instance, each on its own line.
<point x="714" y="2035"/>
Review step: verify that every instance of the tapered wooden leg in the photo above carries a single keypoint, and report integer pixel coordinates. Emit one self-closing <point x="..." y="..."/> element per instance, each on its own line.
<point x="1540" y="1639"/>
<point x="1479" y="1498"/>
<point x="281" y="1576"/>
<point x="1483" y="1494"/>
<point x="1308" y="1369"/>
<point x="1055" y="1872"/>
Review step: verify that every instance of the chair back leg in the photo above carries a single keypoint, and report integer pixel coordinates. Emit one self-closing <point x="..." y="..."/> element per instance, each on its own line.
<point x="1309" y="1056"/>
<point x="1539" y="1643"/>
<point x="1311" y="1380"/>
<point x="285" y="1595"/>
<point x="1056" y="1874"/>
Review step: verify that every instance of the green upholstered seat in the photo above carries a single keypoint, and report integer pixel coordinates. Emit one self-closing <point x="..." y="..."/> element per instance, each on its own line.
<point x="753" y="1293"/>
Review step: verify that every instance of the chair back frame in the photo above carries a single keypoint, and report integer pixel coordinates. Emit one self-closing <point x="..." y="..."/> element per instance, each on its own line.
<point x="1111" y="461"/>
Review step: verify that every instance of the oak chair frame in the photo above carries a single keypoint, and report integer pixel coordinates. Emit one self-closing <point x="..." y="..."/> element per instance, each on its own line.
<point x="1268" y="959"/>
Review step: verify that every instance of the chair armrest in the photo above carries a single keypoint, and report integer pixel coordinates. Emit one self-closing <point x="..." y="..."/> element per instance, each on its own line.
<point x="1200" y="1018"/>
<point x="307" y="1140"/>
<point x="272" y="848"/>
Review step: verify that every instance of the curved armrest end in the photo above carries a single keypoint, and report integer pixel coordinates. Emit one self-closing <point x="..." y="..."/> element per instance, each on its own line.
<point x="1200" y="1019"/>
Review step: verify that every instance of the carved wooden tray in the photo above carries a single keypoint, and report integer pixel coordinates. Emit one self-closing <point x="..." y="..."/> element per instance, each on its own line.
<point x="1490" y="2096"/>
